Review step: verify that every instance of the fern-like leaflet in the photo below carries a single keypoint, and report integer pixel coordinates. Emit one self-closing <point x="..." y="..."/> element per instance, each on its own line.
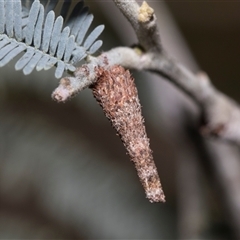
<point x="47" y="41"/>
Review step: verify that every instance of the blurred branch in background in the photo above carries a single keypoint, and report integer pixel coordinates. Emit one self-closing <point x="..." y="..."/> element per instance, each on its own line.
<point x="59" y="179"/>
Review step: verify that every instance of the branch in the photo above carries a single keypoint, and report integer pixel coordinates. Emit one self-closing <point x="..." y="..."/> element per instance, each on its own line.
<point x="221" y="114"/>
<point x="143" y="21"/>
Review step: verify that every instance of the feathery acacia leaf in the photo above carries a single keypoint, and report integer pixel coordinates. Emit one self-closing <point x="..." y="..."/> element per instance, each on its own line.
<point x="47" y="41"/>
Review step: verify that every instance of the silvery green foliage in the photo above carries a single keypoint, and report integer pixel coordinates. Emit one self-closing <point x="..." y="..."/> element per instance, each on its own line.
<point x="47" y="41"/>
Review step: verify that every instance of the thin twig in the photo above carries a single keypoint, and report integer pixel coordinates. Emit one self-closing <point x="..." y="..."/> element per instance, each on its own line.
<point x="143" y="21"/>
<point x="221" y="114"/>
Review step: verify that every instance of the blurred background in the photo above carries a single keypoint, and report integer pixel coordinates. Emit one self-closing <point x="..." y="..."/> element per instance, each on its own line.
<point x="64" y="173"/>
